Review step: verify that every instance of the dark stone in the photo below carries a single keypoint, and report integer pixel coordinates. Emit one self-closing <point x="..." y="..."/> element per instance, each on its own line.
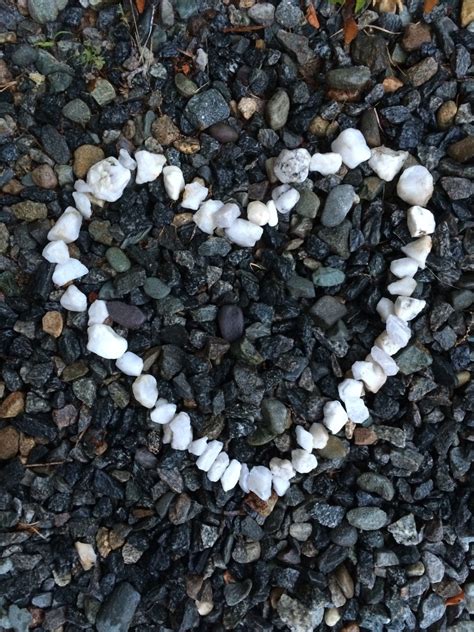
<point x="206" y="108"/>
<point x="231" y="322"/>
<point x="117" y="613"/>
<point x="126" y="315"/>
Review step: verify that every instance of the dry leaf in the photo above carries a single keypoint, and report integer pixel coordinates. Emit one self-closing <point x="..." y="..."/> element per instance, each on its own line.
<point x="350" y="30"/>
<point x="312" y="17"/>
<point x="429" y="5"/>
<point x="140" y="4"/>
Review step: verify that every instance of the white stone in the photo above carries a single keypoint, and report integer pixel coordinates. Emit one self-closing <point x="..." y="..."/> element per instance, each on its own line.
<point x="292" y="165"/>
<point x="387" y="162"/>
<point x="281" y="468"/>
<point x="182" y="433"/>
<point x="420" y="221"/>
<point x="272" y="213"/>
<point x="415" y="185"/>
<point x="356" y="410"/>
<point x="244" y="233"/>
<point x="244" y="478"/>
<point x="198" y="446"/>
<point x="303" y="461"/>
<point x="231" y="476"/>
<point x="260" y="482"/>
<point x="370" y="373"/>
<point x="144" y="389"/>
<point x="218" y="468"/>
<point x="107" y="179"/>
<point x="351" y="146"/>
<point x="350" y="389"/>
<point x="384" y="308"/>
<point x="103" y="341"/>
<point x="194" y="194"/>
<point x="398" y="331"/>
<point x="404" y="267"/>
<point x="335" y="416"/>
<point x="68" y="271"/>
<point x="320" y="436"/>
<point x="304" y="438"/>
<point x="163" y="412"/>
<point x="149" y="167"/>
<point x="204" y="216"/>
<point x="98" y="313"/>
<point x="285" y="198"/>
<point x="419" y="250"/>
<point x="167" y="434"/>
<point x="56" y="252"/>
<point x="226" y="215"/>
<point x="201" y="59"/>
<point x="326" y="164"/>
<point x="408" y="308"/>
<point x="67" y="227"/>
<point x="331" y="617"/>
<point x="126" y="160"/>
<point x="82" y="186"/>
<point x="87" y="555"/>
<point x="209" y="455"/>
<point x="130" y="364"/>
<point x="83" y="204"/>
<point x="74" y="300"/>
<point x="402" y="287"/>
<point x="387" y="345"/>
<point x="258" y="213"/>
<point x="388" y="364"/>
<point x="280" y="485"/>
<point x="173" y="181"/>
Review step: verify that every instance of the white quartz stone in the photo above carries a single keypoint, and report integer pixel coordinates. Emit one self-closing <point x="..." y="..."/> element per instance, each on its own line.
<point x="282" y="468"/>
<point x="384" y="308"/>
<point x="167" y="434"/>
<point x="130" y="364"/>
<point x="272" y="213"/>
<point x="67" y="227"/>
<point x="244" y="478"/>
<point x="231" y="476"/>
<point x="181" y="431"/>
<point x="126" y="160"/>
<point x="304" y="438"/>
<point x="56" y="252"/>
<point x="87" y="555"/>
<point x="326" y="164"/>
<point x="404" y="267"/>
<point x="387" y="162"/>
<point x="350" y="389"/>
<point x="198" y="446"/>
<point x="408" y="308"/>
<point x="292" y="165"/>
<point x="335" y="416"/>
<point x="356" y="410"/>
<point x="209" y="455"/>
<point x="107" y="179"/>
<point x="144" y="389"/>
<point x="68" y="271"/>
<point x="320" y="436"/>
<point x="387" y="363"/>
<point x="387" y="345"/>
<point x="74" y="300"/>
<point x="103" y="341"/>
<point x="82" y="186"/>
<point x="419" y="250"/>
<point x="258" y="213"/>
<point x="420" y="221"/>
<point x="415" y="185"/>
<point x="163" y="412"/>
<point x="149" y="167"/>
<point x="260" y="482"/>
<point x="398" y="331"/>
<point x="303" y="461"/>
<point x="204" y="216"/>
<point x="83" y="204"/>
<point x="351" y="145"/>
<point x="194" y="194"/>
<point x="402" y="287"/>
<point x="285" y="198"/>
<point x="370" y="373"/>
<point x="226" y="215"/>
<point x="201" y="59"/>
<point x="98" y="313"/>
<point x="218" y="468"/>
<point x="173" y="181"/>
<point x="280" y="485"/>
<point x="244" y="233"/>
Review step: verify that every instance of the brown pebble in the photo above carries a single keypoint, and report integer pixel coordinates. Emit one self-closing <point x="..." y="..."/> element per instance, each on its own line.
<point x="463" y="150"/>
<point x="364" y="436"/>
<point x="415" y="36"/>
<point x="66" y="416"/>
<point x="318" y="126"/>
<point x="44" y="177"/>
<point x="223" y="132"/>
<point x="53" y="323"/>
<point x="422" y="72"/>
<point x="351" y="627"/>
<point x="187" y="146"/>
<point x="84" y="157"/>
<point x="467" y="12"/>
<point x="9" y="442"/>
<point x="392" y="84"/>
<point x="13" y="405"/>
<point x="164" y="130"/>
<point x="446" y="114"/>
<point x="262" y="507"/>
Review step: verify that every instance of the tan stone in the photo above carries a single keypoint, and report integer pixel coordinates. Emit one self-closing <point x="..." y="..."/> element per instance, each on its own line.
<point x="53" y="323"/>
<point x="13" y="405"/>
<point x="84" y="157"/>
<point x="446" y="114"/>
<point x="318" y="126"/>
<point x="364" y="436"/>
<point x="187" y="145"/>
<point x="463" y="150"/>
<point x="416" y="34"/>
<point x="247" y="107"/>
<point x="164" y="130"/>
<point x="467" y="12"/>
<point x="44" y="177"/>
<point x="9" y="441"/>
<point x="392" y="84"/>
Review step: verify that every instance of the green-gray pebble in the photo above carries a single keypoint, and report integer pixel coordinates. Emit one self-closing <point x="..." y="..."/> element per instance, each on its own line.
<point x="118" y="259"/>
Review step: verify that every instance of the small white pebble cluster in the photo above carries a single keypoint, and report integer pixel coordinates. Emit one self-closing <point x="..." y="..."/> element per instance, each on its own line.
<point x="106" y="182"/>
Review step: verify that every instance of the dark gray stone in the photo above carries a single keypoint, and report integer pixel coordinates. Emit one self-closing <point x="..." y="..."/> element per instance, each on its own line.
<point x="367" y="518"/>
<point x="206" y="108"/>
<point x="338" y="204"/>
<point x="117" y="612"/>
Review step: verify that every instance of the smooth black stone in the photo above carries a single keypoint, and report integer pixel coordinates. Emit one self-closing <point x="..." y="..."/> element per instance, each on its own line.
<point x="231" y="322"/>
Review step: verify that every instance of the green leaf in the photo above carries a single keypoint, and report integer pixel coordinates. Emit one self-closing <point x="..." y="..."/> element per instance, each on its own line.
<point x="360" y="5"/>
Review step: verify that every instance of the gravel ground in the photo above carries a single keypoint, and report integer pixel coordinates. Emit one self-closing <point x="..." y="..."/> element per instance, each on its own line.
<point x="380" y="536"/>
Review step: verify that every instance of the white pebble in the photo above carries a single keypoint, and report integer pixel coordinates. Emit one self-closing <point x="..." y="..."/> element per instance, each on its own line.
<point x="67" y="227"/>
<point x="350" y="389"/>
<point x="387" y="345"/>
<point x="244" y="478"/>
<point x="384" y="308"/>
<point x="320" y="436"/>
<point x="107" y="179"/>
<point x="370" y="373"/>
<point x="198" y="446"/>
<point x="356" y="410"/>
<point x="335" y="416"/>
<point x="387" y="162"/>
<point x="173" y="181"/>
<point x="68" y="271"/>
<point x="280" y="485"/>
<point x="182" y="433"/>
<point x="56" y="252"/>
<point x="285" y="198"/>
<point x="304" y="438"/>
<point x="402" y="287"/>
<point x="87" y="555"/>
<point x="167" y="434"/>
<point x="74" y="300"/>
<point x="303" y="461"/>
<point x="103" y="341"/>
<point x="126" y="160"/>
<point x="194" y="194"/>
<point x="292" y="165"/>
<point x="419" y="250"/>
<point x="351" y="146"/>
<point x="130" y="364"/>
<point x="387" y="363"/>
<point x="398" y="331"/>
<point x="231" y="476"/>
<point x="201" y="59"/>
<point x="260" y="482"/>
<point x="258" y="213"/>
<point x="144" y="389"/>
<point x="82" y="186"/>
<point x="408" y="308"/>
<point x="326" y="164"/>
<point x="244" y="233"/>
<point x="209" y="455"/>
<point x="83" y="204"/>
<point x="204" y="216"/>
<point x="272" y="213"/>
<point x="218" y="467"/>
<point x="98" y="313"/>
<point x="163" y="412"/>
<point x="415" y="185"/>
<point x="331" y="617"/>
<point x="406" y="266"/>
<point x="149" y="166"/>
<point x="282" y="468"/>
<point x="226" y="215"/>
<point x="420" y="221"/>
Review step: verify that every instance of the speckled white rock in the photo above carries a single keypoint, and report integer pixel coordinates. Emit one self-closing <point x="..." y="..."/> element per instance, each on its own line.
<point x="194" y="194"/>
<point x="402" y="287"/>
<point x="351" y="146"/>
<point x="387" y="344"/>
<point x="420" y="221"/>
<point x="198" y="446"/>
<point x="406" y="266"/>
<point x="173" y="181"/>
<point x="104" y="342"/>
<point x="56" y="252"/>
<point x="74" y="300"/>
<point x="292" y="165"/>
<point x="335" y="416"/>
<point x="145" y="389"/>
<point x="126" y="160"/>
<point x="320" y="436"/>
<point x="244" y="478"/>
<point x="272" y="213"/>
<point x="387" y="162"/>
<point x="260" y="482"/>
<point x="68" y="271"/>
<point x="209" y="455"/>
<point x="419" y="250"/>
<point x="181" y="431"/>
<point x="107" y="179"/>
<point x="130" y="364"/>
<point x="83" y="204"/>
<point x="304" y="438"/>
<point x="87" y="555"/>
<point x="356" y="409"/>
<point x="98" y="313"/>
<point x="218" y="468"/>
<point x="415" y="185"/>
<point x="408" y="308"/>
<point x="204" y="216"/>
<point x="370" y="373"/>
<point x="285" y="198"/>
<point x="149" y="166"/>
<point x="398" y="331"/>
<point x="387" y="363"/>
<point x="384" y="308"/>
<point x="258" y="213"/>
<point x="226" y="215"/>
<point x="326" y="164"/>
<point x="231" y="476"/>
<point x="244" y="233"/>
<point x="67" y="227"/>
<point x="302" y="461"/>
<point x="163" y="412"/>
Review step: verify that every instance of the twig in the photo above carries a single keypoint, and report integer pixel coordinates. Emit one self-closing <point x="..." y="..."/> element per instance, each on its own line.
<point x="243" y="29"/>
<point x="45" y="464"/>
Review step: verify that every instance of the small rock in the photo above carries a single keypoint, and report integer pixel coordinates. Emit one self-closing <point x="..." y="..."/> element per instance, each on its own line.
<point x="298" y="616"/>
<point x="404" y="531"/>
<point x="338" y="204"/>
<point x="77" y="111"/>
<point x="276" y="417"/>
<point x="432" y="609"/>
<point x="377" y="484"/>
<point x="118" y="259"/>
<point x="463" y="150"/>
<point x="458" y="188"/>
<point x="346" y="84"/>
<point x="262" y="13"/>
<point x="164" y="130"/>
<point x="103" y="92"/>
<point x="423" y="71"/>
<point x="467" y="12"/>
<point x="52" y="323"/>
<point x="415" y="35"/>
<point x="126" y="315"/>
<point x="84" y="157"/>
<point x="29" y="211"/>
<point x="231" y="322"/>
<point x="185" y="86"/>
<point x="277" y="109"/>
<point x="13" y="405"/>
<point x="292" y="165"/>
<point x="223" y="132"/>
<point x="367" y="518"/>
<point x="117" y="612"/>
<point x="44" y="177"/>
<point x="446" y="114"/>
<point x="9" y="443"/>
<point x="328" y="277"/>
<point x="206" y="108"/>
<point x="43" y="11"/>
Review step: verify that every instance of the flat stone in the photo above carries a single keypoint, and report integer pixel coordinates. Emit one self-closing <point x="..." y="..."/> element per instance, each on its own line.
<point x="84" y="157"/>
<point x="338" y="204"/>
<point x="206" y="108"/>
<point x="117" y="612"/>
<point x="377" y="484"/>
<point x="231" y="322"/>
<point x="328" y="277"/>
<point x="423" y="71"/>
<point x="13" y="405"/>
<point x="55" y="144"/>
<point x="275" y="415"/>
<point x="29" y="211"/>
<point x="277" y="109"/>
<point x="415" y="35"/>
<point x="103" y="92"/>
<point x="9" y="442"/>
<point x="126" y="315"/>
<point x="308" y="204"/>
<point x="52" y="323"/>
<point x="413" y="358"/>
<point x="164" y="130"/>
<point x="367" y="518"/>
<point x="118" y="259"/>
<point x="463" y="150"/>
<point x="77" y="111"/>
